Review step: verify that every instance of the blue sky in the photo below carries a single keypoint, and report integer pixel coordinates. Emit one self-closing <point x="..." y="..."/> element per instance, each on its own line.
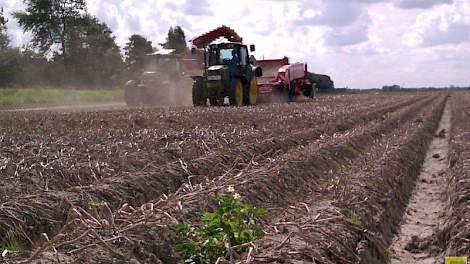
<point x="360" y="43"/>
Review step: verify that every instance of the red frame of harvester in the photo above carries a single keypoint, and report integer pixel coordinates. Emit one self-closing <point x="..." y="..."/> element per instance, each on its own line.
<point x="279" y="75"/>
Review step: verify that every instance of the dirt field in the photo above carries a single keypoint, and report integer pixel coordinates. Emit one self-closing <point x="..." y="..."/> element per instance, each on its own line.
<point x="335" y="174"/>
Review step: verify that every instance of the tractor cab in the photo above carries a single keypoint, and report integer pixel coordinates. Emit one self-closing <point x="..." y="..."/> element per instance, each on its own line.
<point x="157" y="81"/>
<point x="228" y="54"/>
<point x="163" y="64"/>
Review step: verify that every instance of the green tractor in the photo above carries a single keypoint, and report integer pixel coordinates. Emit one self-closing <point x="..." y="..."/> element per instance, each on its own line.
<point x="228" y="73"/>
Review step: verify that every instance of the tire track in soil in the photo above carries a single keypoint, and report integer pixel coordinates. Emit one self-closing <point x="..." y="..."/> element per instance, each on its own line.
<point x="426" y="207"/>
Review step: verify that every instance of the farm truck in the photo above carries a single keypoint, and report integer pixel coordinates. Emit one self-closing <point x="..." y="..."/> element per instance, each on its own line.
<point x="230" y="72"/>
<point x="164" y="80"/>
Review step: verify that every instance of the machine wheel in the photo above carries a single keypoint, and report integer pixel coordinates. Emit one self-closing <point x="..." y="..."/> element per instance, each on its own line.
<point x="308" y="92"/>
<point x="199" y="98"/>
<point x="236" y="94"/>
<point x="253" y="93"/>
<point x="131" y="94"/>
<point x="214" y="101"/>
<point x="291" y="95"/>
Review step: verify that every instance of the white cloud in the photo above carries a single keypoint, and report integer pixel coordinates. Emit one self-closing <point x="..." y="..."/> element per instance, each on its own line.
<point x="420" y="4"/>
<point x="444" y="25"/>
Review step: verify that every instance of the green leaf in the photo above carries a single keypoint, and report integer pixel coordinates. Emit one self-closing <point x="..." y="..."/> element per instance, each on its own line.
<point x="245" y="236"/>
<point x="233" y="222"/>
<point x="258" y="233"/>
<point x="186" y="248"/>
<point x="260" y="212"/>
<point x="182" y="229"/>
<point x="210" y="218"/>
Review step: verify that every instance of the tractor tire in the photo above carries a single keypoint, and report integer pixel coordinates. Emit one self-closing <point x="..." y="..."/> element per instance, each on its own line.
<point x="253" y="92"/>
<point x="308" y="92"/>
<point x="131" y="94"/>
<point x="199" y="98"/>
<point x="214" y="101"/>
<point x="236" y="94"/>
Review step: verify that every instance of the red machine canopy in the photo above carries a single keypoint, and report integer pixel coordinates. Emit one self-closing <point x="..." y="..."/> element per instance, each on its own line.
<point x="223" y="31"/>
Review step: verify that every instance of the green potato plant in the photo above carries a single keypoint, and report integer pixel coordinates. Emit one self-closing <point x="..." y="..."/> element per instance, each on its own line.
<point x="233" y="223"/>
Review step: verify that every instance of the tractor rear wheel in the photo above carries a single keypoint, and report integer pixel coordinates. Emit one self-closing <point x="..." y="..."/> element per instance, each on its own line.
<point x="199" y="98"/>
<point x="236" y="94"/>
<point x="253" y="93"/>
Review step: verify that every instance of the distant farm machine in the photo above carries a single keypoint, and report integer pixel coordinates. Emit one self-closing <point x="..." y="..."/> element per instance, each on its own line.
<point x="230" y="72"/>
<point x="162" y="80"/>
<point x="222" y="72"/>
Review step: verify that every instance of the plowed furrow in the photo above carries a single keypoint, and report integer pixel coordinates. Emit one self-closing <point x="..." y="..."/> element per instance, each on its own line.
<point x="357" y="210"/>
<point x="54" y="206"/>
<point x="101" y="151"/>
<point x="138" y="188"/>
<point x="267" y="183"/>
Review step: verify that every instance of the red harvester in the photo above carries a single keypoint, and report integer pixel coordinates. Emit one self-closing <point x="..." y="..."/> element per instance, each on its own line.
<point x="283" y="80"/>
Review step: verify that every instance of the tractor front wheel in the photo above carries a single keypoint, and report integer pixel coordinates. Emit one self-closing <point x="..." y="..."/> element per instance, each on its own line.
<point x="236" y="95"/>
<point x="253" y="93"/>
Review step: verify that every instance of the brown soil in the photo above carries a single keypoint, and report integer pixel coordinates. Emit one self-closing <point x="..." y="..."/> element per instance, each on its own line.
<point x="454" y="237"/>
<point x="107" y="187"/>
<point x="426" y="207"/>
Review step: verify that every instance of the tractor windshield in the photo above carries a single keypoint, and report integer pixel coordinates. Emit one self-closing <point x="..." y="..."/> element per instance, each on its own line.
<point x="224" y="56"/>
<point x="162" y="64"/>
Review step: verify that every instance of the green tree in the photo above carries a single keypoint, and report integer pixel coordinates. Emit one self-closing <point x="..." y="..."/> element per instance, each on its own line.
<point x="32" y="66"/>
<point x="94" y="55"/>
<point x="50" y="21"/>
<point x="135" y="51"/>
<point x="9" y="65"/>
<point x="82" y="50"/>
<point x="9" y="57"/>
<point x="4" y="40"/>
<point x="176" y="39"/>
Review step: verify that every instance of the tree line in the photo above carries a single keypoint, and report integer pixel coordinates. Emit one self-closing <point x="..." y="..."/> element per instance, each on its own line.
<point x="70" y="47"/>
